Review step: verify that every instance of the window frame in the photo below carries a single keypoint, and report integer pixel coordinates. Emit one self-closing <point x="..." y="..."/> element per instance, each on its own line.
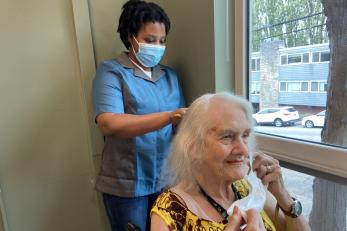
<point x="255" y="83"/>
<point x="295" y="54"/>
<point x="320" y="56"/>
<point x="256" y="64"/>
<point x="296" y="81"/>
<point x="318" y="86"/>
<point x="298" y="152"/>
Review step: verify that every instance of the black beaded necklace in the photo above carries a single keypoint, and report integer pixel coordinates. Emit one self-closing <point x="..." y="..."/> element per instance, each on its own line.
<point x="222" y="211"/>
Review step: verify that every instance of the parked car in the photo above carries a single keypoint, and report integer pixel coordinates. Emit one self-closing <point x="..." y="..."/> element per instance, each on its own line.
<point x="277" y="116"/>
<point x="316" y="120"/>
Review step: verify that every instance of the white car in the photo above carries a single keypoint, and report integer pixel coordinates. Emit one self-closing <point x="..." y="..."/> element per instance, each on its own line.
<point x="316" y="120"/>
<point x="277" y="116"/>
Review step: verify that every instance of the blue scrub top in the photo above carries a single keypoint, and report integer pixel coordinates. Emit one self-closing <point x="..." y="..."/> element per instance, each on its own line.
<point x="131" y="167"/>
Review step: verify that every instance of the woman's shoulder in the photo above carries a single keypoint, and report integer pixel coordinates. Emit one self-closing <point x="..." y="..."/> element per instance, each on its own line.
<point x="169" y="200"/>
<point x="109" y="64"/>
<point x="168" y="69"/>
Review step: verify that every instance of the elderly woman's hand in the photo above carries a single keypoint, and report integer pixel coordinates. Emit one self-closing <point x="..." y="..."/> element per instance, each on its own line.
<point x="250" y="220"/>
<point x="269" y="171"/>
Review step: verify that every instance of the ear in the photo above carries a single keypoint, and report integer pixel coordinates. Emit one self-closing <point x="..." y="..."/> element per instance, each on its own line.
<point x="196" y="151"/>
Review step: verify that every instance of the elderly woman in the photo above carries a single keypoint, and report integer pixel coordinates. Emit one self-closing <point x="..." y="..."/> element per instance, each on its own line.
<point x="206" y="167"/>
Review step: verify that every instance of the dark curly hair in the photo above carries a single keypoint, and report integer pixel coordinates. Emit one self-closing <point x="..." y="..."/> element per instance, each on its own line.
<point x="136" y="13"/>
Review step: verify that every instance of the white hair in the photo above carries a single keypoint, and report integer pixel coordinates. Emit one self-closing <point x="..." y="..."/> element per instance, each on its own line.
<point x="190" y="136"/>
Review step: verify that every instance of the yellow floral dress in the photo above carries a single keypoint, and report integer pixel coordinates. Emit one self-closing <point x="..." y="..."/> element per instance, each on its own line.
<point x="178" y="217"/>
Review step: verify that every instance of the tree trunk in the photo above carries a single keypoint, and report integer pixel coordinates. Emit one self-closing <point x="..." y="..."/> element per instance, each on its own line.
<point x="329" y="198"/>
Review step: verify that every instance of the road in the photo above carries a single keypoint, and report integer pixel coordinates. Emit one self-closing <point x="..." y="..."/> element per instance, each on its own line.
<point x="297" y="131"/>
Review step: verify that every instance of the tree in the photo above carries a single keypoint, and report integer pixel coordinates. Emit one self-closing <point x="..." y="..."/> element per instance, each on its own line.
<point x="329" y="198"/>
<point x="296" y="22"/>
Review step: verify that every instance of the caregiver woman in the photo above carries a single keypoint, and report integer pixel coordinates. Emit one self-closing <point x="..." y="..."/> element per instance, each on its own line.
<point x="137" y="102"/>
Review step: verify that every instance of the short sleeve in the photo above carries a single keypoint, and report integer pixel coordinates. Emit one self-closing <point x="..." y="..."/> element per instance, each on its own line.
<point x="170" y="209"/>
<point x="107" y="91"/>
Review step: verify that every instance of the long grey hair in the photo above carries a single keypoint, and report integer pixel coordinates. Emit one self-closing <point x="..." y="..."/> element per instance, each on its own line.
<point x="189" y="138"/>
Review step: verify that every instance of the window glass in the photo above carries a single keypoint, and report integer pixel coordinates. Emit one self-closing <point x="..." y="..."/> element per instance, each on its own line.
<point x="264" y="111"/>
<point x="304" y="86"/>
<point x="315" y="57"/>
<point x="291" y="110"/>
<point x="281" y="36"/>
<point x="284" y="59"/>
<point x="321" y="113"/>
<point x="322" y="86"/>
<point x="258" y="64"/>
<point x="294" y="86"/>
<point x="314" y="86"/>
<point x="295" y="32"/>
<point x="255" y="87"/>
<point x="253" y="65"/>
<point x="306" y="58"/>
<point x="325" y="56"/>
<point x="294" y="59"/>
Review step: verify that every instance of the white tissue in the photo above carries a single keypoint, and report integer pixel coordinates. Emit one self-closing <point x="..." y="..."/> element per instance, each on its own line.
<point x="256" y="197"/>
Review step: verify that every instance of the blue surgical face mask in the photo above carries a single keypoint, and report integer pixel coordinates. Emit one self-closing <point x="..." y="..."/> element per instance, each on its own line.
<point x="149" y="55"/>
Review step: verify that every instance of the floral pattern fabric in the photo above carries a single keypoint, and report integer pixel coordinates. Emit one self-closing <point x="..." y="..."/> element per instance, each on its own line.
<point x="178" y="217"/>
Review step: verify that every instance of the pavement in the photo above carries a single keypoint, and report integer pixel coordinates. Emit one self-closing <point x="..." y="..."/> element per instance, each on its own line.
<point x="300" y="186"/>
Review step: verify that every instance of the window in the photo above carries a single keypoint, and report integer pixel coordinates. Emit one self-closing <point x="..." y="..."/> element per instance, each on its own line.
<point x="304" y="86"/>
<point x="284" y="59"/>
<point x="322" y="87"/>
<point x="321" y="56"/>
<point x="306" y="58"/>
<point x="293" y="86"/>
<point x="314" y="86"/>
<point x="315" y="57"/>
<point x="287" y="31"/>
<point x="318" y="86"/>
<point x="325" y="56"/>
<point x="294" y="59"/>
<point x="255" y="64"/>
<point x="255" y="88"/>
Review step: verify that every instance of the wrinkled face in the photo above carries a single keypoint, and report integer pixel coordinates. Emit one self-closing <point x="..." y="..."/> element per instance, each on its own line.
<point x="226" y="143"/>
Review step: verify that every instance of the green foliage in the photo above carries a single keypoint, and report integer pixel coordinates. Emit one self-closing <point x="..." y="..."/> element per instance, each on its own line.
<point x="296" y="22"/>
